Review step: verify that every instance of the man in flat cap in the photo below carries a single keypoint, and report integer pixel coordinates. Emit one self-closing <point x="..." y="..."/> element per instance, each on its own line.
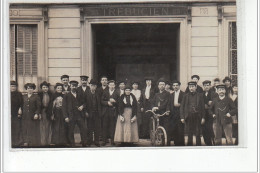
<point x="109" y="101"/>
<point x="65" y="81"/>
<point x="195" y="78"/>
<point x="160" y="105"/>
<point x="83" y="88"/>
<point x="73" y="113"/>
<point x="193" y="113"/>
<point x="221" y="109"/>
<point x="147" y="96"/>
<point x="93" y="112"/>
<point x="16" y="113"/>
<point x="45" y="123"/>
<point x="176" y="127"/>
<point x="207" y="130"/>
<point x="228" y="82"/>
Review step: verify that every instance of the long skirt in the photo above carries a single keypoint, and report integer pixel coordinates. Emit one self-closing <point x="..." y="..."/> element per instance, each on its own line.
<point x="58" y="128"/>
<point x="45" y="125"/>
<point x="31" y="131"/>
<point x="126" y="131"/>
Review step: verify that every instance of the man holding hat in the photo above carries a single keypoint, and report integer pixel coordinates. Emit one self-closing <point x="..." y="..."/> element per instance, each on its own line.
<point x="193" y="113"/>
<point x="176" y="127"/>
<point x="16" y="113"/>
<point x="195" y="78"/>
<point x="207" y="130"/>
<point x="93" y="113"/>
<point x="73" y="113"/>
<point x="221" y="109"/>
<point x="147" y="97"/>
<point x="45" y="124"/>
<point x="65" y="81"/>
<point x="109" y="102"/>
<point x="30" y="117"/>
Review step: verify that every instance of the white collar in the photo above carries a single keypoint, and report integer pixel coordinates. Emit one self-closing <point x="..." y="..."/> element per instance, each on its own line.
<point x="131" y="100"/>
<point x="221" y="97"/>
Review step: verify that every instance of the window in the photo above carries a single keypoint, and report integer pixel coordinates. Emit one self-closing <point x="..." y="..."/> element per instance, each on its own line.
<point x="233" y="52"/>
<point x="23" y="53"/>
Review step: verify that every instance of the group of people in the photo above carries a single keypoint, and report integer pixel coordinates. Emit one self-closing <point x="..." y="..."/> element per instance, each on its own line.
<point x="116" y="112"/>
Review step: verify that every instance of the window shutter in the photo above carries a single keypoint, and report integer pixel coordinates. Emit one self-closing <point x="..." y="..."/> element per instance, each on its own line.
<point x="12" y="53"/>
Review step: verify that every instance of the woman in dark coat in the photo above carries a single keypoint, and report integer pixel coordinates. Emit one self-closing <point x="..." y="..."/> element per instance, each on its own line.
<point x="126" y="126"/>
<point x="58" y="129"/>
<point x="30" y="117"/>
<point x="16" y="111"/>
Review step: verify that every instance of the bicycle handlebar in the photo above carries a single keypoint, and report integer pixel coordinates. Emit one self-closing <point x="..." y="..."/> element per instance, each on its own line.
<point x="159" y="115"/>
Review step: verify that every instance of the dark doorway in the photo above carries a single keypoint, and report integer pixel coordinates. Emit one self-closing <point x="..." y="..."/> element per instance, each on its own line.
<point x="135" y="51"/>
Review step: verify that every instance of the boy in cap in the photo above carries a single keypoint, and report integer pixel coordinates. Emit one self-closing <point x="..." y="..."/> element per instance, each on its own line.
<point x="147" y="97"/>
<point x="93" y="112"/>
<point x="177" y="128"/>
<point x="195" y="78"/>
<point x="160" y="105"/>
<point x="193" y="113"/>
<point x="109" y="101"/>
<point x="30" y="118"/>
<point x="207" y="130"/>
<point x="65" y="81"/>
<point x="221" y="109"/>
<point x="84" y="85"/>
<point x="16" y="113"/>
<point x="73" y="113"/>
<point x="45" y="124"/>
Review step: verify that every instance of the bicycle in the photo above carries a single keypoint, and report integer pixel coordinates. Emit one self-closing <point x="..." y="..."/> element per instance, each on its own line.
<point x="158" y="134"/>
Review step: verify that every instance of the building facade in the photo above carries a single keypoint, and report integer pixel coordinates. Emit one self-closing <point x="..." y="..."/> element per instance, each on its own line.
<point x="123" y="41"/>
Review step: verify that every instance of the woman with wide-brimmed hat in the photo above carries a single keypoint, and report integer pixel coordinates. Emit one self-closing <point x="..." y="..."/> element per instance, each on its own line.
<point x="30" y="117"/>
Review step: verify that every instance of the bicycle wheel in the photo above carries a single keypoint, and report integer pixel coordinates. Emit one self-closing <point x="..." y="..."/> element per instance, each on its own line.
<point x="160" y="136"/>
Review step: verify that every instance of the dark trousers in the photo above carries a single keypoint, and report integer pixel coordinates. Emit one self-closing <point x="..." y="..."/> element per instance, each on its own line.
<point x="177" y="132"/>
<point x="190" y="139"/>
<point x="79" y="121"/>
<point x="194" y="128"/>
<point x="93" y="126"/>
<point x="109" y="123"/>
<point x="207" y="132"/>
<point x="165" y="122"/>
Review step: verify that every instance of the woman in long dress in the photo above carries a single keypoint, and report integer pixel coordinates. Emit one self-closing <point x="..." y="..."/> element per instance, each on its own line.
<point x="126" y="126"/>
<point x="58" y="138"/>
<point x="30" y="117"/>
<point x="137" y="93"/>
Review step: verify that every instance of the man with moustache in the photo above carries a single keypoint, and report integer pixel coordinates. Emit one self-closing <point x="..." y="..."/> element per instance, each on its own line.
<point x="195" y="78"/>
<point x="176" y="127"/>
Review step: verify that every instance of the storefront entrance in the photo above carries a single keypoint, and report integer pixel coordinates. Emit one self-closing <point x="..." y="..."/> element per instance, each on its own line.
<point x="133" y="51"/>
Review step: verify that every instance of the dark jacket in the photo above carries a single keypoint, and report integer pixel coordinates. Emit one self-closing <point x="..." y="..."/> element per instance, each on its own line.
<point x="200" y="107"/>
<point x="161" y="100"/>
<point x="64" y="91"/>
<point x="89" y="108"/>
<point x="147" y="103"/>
<point x="16" y="102"/>
<point x="122" y="105"/>
<point x="70" y="106"/>
<point x="106" y="97"/>
<point x="175" y="111"/>
<point x="49" y="109"/>
<point x="31" y="106"/>
<point x="220" y="108"/>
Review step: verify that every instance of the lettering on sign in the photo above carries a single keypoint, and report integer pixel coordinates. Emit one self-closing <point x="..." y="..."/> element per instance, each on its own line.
<point x="135" y="11"/>
<point x="13" y="12"/>
<point x="204" y="11"/>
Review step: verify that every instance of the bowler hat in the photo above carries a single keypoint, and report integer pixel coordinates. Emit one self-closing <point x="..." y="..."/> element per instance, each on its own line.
<point x="44" y="83"/>
<point x="31" y="85"/>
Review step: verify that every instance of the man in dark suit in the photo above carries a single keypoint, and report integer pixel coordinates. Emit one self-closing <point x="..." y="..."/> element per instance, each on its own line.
<point x="100" y="91"/>
<point x="73" y="113"/>
<point x="192" y="112"/>
<point x="109" y="101"/>
<point x="93" y="112"/>
<point x="161" y="105"/>
<point x="176" y="126"/>
<point x="221" y="109"/>
<point x="65" y="81"/>
<point x="195" y="78"/>
<point x="207" y="129"/>
<point x="147" y="97"/>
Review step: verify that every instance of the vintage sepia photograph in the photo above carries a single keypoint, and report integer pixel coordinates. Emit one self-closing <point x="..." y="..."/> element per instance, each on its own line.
<point x="108" y="75"/>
